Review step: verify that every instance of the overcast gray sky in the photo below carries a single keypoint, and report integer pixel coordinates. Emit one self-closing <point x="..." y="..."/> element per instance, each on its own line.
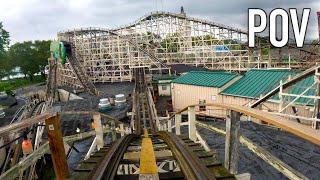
<point x="42" y="19"/>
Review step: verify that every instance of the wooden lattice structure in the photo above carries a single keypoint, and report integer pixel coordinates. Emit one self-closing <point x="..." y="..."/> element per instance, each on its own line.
<point x="160" y="39"/>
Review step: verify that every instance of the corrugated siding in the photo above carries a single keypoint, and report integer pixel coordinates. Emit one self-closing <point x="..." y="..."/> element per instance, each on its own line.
<point x="299" y="88"/>
<point x="259" y="82"/>
<point x="256" y="82"/>
<point x="205" y="78"/>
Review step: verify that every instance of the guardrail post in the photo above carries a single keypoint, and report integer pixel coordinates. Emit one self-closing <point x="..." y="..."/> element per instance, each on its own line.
<point x="177" y="119"/>
<point x="99" y="130"/>
<point x="232" y="142"/>
<point x="113" y="131"/>
<point x="315" y="123"/>
<point x="121" y="130"/>
<point x="169" y="125"/>
<point x="192" y="123"/>
<point x="56" y="145"/>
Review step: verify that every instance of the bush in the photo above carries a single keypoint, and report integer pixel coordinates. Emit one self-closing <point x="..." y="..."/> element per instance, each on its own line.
<point x="10" y="85"/>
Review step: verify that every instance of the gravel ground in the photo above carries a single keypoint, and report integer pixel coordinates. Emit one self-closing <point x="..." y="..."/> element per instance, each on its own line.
<point x="31" y="88"/>
<point x="296" y="152"/>
<point x="13" y="105"/>
<point x="90" y="103"/>
<point x="75" y="158"/>
<point x="69" y="123"/>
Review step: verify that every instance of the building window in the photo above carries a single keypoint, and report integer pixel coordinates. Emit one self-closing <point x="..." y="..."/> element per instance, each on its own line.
<point x="164" y="88"/>
<point x="202" y="106"/>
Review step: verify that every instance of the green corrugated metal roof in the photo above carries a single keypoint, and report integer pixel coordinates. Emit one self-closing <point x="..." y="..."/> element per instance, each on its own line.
<point x="259" y="82"/>
<point x="301" y="86"/>
<point x="205" y="78"/>
<point x="256" y="82"/>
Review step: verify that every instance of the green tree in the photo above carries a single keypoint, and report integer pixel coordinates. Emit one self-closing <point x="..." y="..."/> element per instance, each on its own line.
<point x="206" y="39"/>
<point x="5" y="65"/>
<point x="171" y="43"/>
<point x="21" y="54"/>
<point x="42" y="54"/>
<point x="31" y="57"/>
<point x="4" y="40"/>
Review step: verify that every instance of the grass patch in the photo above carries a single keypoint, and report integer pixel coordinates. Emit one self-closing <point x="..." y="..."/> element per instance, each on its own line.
<point x="3" y="107"/>
<point x="13" y="84"/>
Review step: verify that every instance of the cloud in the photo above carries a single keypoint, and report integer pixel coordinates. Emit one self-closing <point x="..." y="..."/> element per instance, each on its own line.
<point x="42" y="19"/>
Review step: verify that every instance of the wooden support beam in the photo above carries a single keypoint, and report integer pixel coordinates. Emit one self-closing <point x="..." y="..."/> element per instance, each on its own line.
<point x="13" y="172"/>
<point x="113" y="131"/>
<point x="192" y="123"/>
<point x="99" y="130"/>
<point x="316" y="124"/>
<point x="169" y="125"/>
<point x="275" y="162"/>
<point x="122" y="131"/>
<point x="12" y="128"/>
<point x="56" y="147"/>
<point x="286" y="84"/>
<point x="232" y="142"/>
<point x="178" y="123"/>
<point x="300" y="130"/>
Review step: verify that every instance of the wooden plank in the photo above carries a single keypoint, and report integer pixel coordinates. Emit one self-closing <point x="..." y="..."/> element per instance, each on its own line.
<point x="300" y="130"/>
<point x="56" y="147"/>
<point x="108" y="117"/>
<point x="13" y="172"/>
<point x="23" y="124"/>
<point x="99" y="130"/>
<point x="148" y="164"/>
<point x="295" y="79"/>
<point x="232" y="142"/>
<point x="192" y="123"/>
<point x="177" y="123"/>
<point x="275" y="162"/>
<point x="316" y="124"/>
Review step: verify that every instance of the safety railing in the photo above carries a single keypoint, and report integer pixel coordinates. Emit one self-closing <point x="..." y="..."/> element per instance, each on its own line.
<point x="233" y="137"/>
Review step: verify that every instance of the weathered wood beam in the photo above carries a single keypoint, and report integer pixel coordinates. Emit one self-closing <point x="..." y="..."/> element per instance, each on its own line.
<point x="108" y="117"/>
<point x="177" y="120"/>
<point x="32" y="158"/>
<point x="300" y="130"/>
<point x="232" y="142"/>
<point x="192" y="123"/>
<point x="99" y="130"/>
<point x="12" y="128"/>
<point x="292" y="81"/>
<point x="275" y="162"/>
<point x="56" y="145"/>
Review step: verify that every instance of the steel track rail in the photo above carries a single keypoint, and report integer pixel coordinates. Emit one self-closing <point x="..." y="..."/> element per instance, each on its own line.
<point x="108" y="167"/>
<point x="189" y="163"/>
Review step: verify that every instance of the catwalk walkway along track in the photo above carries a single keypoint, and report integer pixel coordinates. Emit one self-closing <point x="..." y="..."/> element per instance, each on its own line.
<point x="163" y="154"/>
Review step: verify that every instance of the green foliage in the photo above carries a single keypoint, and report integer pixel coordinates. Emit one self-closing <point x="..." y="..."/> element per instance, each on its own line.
<point x="30" y="56"/>
<point x="4" y="40"/>
<point x="171" y="43"/>
<point x="206" y="39"/>
<point x="42" y="54"/>
<point x="9" y="91"/>
<point x="265" y="51"/>
<point x="10" y="85"/>
<point x="5" y="65"/>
